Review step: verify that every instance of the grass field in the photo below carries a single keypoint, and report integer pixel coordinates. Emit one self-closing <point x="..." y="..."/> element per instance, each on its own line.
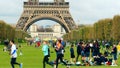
<point x="32" y="58"/>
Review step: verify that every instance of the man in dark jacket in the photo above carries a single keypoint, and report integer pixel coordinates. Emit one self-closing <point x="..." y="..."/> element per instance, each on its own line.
<point x="114" y="53"/>
<point x="79" y="49"/>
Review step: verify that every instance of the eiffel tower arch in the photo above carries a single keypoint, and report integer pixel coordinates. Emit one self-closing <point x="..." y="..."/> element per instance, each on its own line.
<point x="57" y="11"/>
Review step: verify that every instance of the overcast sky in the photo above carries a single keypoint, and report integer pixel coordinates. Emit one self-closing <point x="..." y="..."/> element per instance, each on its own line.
<point x="82" y="11"/>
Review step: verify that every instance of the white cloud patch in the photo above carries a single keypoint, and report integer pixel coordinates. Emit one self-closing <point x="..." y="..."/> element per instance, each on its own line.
<point x="83" y="11"/>
<point x="89" y="11"/>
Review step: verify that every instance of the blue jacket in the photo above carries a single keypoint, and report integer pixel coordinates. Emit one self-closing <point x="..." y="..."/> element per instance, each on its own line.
<point x="45" y="49"/>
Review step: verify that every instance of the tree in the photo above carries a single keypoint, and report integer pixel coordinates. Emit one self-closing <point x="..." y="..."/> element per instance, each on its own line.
<point x="108" y="29"/>
<point x="116" y="28"/>
<point x="9" y="32"/>
<point x="105" y="29"/>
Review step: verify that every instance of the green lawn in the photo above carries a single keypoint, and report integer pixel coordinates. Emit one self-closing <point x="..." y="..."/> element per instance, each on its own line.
<point x="32" y="58"/>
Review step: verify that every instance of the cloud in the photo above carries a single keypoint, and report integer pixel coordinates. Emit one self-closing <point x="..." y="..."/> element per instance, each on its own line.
<point x="83" y="11"/>
<point x="12" y="11"/>
<point x="9" y="19"/>
<point x="89" y="11"/>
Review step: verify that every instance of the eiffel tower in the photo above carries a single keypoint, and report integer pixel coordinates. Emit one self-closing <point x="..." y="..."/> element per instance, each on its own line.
<point x="57" y="11"/>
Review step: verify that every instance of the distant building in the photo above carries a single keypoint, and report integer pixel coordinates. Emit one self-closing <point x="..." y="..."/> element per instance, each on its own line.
<point x="48" y="26"/>
<point x="57" y="28"/>
<point x="40" y="27"/>
<point x="33" y="28"/>
<point x="58" y="32"/>
<point x="46" y="35"/>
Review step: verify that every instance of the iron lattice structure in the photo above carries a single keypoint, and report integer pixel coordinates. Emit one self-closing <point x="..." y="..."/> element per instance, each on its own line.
<point x="57" y="11"/>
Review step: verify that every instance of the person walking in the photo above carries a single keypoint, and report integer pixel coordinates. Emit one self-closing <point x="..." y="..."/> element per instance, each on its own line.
<point x="46" y="50"/>
<point x="13" y="54"/>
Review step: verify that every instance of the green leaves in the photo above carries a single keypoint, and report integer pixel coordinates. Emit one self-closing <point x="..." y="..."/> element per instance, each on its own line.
<point x="116" y="28"/>
<point x="9" y="32"/>
<point x="105" y="29"/>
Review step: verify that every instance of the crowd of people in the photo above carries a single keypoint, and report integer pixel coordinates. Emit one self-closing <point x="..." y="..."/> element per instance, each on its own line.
<point x="81" y="54"/>
<point x="90" y="53"/>
<point x="98" y="56"/>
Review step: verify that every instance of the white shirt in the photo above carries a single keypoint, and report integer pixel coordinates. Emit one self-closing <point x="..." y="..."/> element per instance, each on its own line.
<point x="13" y="51"/>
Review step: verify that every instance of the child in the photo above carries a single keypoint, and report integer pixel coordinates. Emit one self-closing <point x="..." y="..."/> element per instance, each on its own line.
<point x="72" y="60"/>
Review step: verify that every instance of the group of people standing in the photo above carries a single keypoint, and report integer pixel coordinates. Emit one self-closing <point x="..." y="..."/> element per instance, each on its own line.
<point x="85" y="51"/>
<point x="99" y="56"/>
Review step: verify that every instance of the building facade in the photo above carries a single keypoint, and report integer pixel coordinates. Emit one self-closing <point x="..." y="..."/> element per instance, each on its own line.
<point x="33" y="28"/>
<point x="58" y="32"/>
<point x="46" y="35"/>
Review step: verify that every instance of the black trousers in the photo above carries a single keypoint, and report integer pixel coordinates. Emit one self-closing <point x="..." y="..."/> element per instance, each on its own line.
<point x="46" y="60"/>
<point x="13" y="61"/>
<point x="78" y="57"/>
<point x="59" y="56"/>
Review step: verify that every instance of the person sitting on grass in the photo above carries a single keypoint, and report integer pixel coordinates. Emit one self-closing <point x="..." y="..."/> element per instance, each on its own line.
<point x="100" y="59"/>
